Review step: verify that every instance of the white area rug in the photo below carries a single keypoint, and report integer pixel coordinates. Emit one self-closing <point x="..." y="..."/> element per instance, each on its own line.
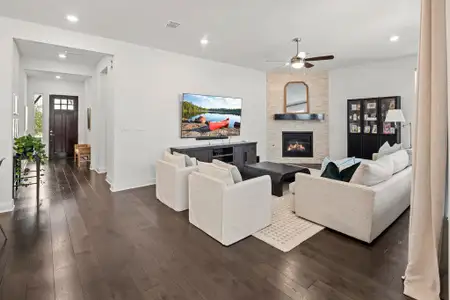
<point x="287" y="230"/>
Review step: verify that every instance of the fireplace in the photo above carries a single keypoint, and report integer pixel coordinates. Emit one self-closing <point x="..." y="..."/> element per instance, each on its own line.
<point x="298" y="144"/>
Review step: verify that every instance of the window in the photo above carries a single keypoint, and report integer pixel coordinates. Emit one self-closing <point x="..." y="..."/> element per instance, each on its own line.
<point x="63" y="104"/>
<point x="38" y="111"/>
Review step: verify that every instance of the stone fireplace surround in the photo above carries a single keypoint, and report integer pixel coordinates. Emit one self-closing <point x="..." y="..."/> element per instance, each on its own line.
<point x="318" y="102"/>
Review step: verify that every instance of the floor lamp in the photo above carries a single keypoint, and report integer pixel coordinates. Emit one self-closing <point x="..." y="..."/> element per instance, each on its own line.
<point x="396" y="116"/>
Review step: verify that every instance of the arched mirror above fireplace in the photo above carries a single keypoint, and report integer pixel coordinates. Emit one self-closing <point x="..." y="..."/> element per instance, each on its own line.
<point x="296" y="97"/>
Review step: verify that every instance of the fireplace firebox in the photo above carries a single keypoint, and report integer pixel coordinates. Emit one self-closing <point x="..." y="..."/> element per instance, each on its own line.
<point x="298" y="144"/>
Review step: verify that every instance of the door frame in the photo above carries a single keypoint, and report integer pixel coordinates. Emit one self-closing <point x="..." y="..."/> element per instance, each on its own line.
<point x="51" y="109"/>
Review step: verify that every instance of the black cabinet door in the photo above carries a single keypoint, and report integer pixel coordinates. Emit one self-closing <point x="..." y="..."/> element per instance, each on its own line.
<point x="203" y="155"/>
<point x="354" y="147"/>
<point x="250" y="156"/>
<point x="238" y="157"/>
<point x="369" y="145"/>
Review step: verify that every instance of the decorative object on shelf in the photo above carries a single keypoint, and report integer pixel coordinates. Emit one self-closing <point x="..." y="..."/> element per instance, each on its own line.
<point x="396" y="116"/>
<point x="371" y="105"/>
<point x="374" y="129"/>
<point x="33" y="150"/>
<point x="299" y="117"/>
<point x="89" y="111"/>
<point x="15" y="105"/>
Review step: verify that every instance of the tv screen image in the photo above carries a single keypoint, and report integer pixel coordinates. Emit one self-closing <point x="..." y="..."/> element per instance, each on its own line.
<point x="204" y="115"/>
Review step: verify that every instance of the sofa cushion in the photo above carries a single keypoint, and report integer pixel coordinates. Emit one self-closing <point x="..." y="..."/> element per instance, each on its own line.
<point x="237" y="177"/>
<point x="400" y="160"/>
<point x="190" y="161"/>
<point x="332" y="172"/>
<point x="370" y="173"/>
<point x="347" y="174"/>
<point x="216" y="172"/>
<point x="178" y="161"/>
<point x="387" y="149"/>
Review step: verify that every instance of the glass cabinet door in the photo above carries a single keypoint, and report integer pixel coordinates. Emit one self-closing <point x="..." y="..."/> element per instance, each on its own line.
<point x="354" y="115"/>
<point x="387" y="104"/>
<point x="370" y="116"/>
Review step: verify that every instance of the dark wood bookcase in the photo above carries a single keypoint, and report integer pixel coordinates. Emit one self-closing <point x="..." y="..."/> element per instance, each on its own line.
<point x="366" y="129"/>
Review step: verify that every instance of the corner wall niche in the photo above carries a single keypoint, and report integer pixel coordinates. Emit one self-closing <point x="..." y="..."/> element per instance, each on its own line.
<point x="314" y="122"/>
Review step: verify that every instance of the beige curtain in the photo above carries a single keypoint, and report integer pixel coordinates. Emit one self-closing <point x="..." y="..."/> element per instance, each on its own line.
<point x="429" y="156"/>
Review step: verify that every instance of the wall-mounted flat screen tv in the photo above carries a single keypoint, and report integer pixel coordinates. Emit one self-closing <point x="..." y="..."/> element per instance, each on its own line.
<point x="204" y="116"/>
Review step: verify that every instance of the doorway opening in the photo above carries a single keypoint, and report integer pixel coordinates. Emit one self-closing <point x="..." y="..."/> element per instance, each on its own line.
<point x="63" y="125"/>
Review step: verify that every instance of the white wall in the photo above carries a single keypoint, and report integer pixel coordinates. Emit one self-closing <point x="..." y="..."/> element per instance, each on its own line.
<point x="147" y="87"/>
<point x="56" y="87"/>
<point x="378" y="79"/>
<point x="61" y="67"/>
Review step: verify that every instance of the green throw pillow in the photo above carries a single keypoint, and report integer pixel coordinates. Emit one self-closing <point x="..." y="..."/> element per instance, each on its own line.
<point x="347" y="174"/>
<point x="332" y="172"/>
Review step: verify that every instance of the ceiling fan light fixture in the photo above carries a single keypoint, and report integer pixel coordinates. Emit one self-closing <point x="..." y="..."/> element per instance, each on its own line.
<point x="297" y="63"/>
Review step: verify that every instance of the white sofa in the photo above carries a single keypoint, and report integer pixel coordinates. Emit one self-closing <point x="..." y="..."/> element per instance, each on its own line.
<point x="229" y="213"/>
<point x="358" y="211"/>
<point x="172" y="185"/>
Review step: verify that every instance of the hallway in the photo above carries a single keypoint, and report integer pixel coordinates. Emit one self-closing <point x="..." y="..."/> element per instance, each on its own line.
<point x="87" y="243"/>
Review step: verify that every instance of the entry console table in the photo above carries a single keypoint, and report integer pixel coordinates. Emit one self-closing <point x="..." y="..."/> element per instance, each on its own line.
<point x="239" y="153"/>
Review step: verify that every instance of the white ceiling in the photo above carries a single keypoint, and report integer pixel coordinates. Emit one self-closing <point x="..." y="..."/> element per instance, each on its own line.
<point x="46" y="75"/>
<point x="241" y="32"/>
<point x="31" y="49"/>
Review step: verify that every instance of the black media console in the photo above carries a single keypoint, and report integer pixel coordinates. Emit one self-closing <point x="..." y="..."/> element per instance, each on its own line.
<point x="238" y="154"/>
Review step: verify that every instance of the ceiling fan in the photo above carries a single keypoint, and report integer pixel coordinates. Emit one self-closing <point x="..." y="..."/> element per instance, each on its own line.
<point x="299" y="60"/>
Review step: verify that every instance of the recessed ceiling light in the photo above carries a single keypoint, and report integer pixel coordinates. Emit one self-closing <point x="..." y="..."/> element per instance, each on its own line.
<point x="394" y="38"/>
<point x="62" y="55"/>
<point x="58" y="77"/>
<point x="72" y="18"/>
<point x="204" y="41"/>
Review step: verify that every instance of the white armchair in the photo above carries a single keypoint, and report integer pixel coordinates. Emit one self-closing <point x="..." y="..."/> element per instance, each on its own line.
<point x="172" y="185"/>
<point x="229" y="213"/>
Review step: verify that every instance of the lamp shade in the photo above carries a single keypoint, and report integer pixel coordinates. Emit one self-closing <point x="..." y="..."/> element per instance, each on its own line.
<point x="395" y="115"/>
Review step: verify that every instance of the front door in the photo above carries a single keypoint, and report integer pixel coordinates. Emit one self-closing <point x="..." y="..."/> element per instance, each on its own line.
<point x="63" y="125"/>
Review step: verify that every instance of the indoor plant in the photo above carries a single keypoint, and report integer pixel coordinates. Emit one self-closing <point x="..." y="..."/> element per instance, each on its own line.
<point x="29" y="148"/>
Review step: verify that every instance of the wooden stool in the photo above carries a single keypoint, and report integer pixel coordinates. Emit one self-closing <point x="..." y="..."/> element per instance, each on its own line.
<point x="82" y="151"/>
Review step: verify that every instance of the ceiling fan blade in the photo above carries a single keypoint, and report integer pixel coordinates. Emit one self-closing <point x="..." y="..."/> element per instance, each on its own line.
<point x="308" y="65"/>
<point x="325" y="57"/>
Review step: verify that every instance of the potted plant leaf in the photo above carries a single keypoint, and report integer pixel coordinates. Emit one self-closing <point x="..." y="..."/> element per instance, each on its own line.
<point x="27" y="148"/>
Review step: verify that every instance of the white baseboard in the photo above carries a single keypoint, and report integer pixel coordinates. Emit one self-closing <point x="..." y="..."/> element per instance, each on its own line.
<point x="108" y="180"/>
<point x="5" y="208"/>
<point x="100" y="171"/>
<point x="114" y="190"/>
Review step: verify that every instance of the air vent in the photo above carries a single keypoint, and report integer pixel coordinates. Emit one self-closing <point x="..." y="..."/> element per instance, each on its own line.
<point x="172" y="24"/>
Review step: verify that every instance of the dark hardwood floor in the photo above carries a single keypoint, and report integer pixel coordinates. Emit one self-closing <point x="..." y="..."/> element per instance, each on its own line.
<point x="87" y="243"/>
